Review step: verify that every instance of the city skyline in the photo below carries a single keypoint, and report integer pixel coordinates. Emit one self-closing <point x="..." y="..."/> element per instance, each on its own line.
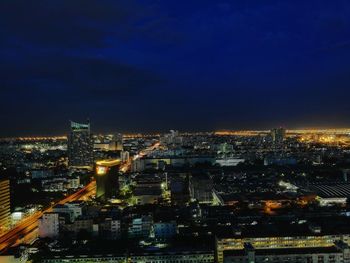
<point x="202" y="65"/>
<point x="99" y="131"/>
<point x="195" y="131"/>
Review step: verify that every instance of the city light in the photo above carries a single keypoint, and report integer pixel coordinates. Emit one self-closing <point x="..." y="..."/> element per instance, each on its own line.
<point x="101" y="170"/>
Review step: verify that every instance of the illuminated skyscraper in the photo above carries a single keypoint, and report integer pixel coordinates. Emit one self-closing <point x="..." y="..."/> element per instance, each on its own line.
<point x="107" y="184"/>
<point x="80" y="146"/>
<point x="4" y="204"/>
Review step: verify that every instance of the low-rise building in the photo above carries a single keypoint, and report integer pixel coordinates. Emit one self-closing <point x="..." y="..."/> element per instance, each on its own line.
<point x="280" y="236"/>
<point x="174" y="257"/>
<point x="110" y="229"/>
<point x="140" y="227"/>
<point x="49" y="225"/>
<point x="73" y="210"/>
<point x="334" y="254"/>
<point x="79" y="225"/>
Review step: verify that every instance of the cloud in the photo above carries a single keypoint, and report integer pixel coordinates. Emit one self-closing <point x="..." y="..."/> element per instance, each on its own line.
<point x="61" y="23"/>
<point x="55" y="46"/>
<point x="82" y="78"/>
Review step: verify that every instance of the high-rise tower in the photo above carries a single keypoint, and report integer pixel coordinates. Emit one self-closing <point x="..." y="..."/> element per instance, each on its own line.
<point x="107" y="173"/>
<point x="80" y="146"/>
<point x="278" y="135"/>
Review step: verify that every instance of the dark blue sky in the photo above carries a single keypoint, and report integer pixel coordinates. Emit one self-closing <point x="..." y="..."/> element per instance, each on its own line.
<point x="189" y="65"/>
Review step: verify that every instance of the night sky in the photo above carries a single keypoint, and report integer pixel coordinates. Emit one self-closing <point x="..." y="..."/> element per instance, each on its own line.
<point x="190" y="65"/>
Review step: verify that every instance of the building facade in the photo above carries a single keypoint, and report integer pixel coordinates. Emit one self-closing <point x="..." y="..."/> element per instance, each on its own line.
<point x="5" y="213"/>
<point x="49" y="225"/>
<point x="237" y="243"/>
<point x="155" y="257"/>
<point x="334" y="254"/>
<point x="140" y="227"/>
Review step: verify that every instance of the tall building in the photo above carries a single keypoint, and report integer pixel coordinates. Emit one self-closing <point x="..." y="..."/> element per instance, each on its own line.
<point x="4" y="204"/>
<point x="107" y="183"/>
<point x="278" y="135"/>
<point x="80" y="146"/>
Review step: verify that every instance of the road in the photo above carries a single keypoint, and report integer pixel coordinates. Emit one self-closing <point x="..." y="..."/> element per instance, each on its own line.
<point x="127" y="165"/>
<point x="29" y="225"/>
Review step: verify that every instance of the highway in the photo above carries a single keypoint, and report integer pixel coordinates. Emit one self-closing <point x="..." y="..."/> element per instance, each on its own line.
<point x="30" y="224"/>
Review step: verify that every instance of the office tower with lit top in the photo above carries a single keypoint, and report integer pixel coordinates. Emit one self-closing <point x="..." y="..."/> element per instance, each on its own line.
<point x="107" y="179"/>
<point x="4" y="205"/>
<point x="80" y="146"/>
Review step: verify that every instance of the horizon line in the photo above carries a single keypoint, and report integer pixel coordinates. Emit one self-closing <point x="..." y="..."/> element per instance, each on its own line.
<point x="130" y="134"/>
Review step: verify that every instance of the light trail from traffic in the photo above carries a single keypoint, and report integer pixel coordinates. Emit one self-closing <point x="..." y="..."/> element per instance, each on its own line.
<point x="127" y="165"/>
<point x="18" y="233"/>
